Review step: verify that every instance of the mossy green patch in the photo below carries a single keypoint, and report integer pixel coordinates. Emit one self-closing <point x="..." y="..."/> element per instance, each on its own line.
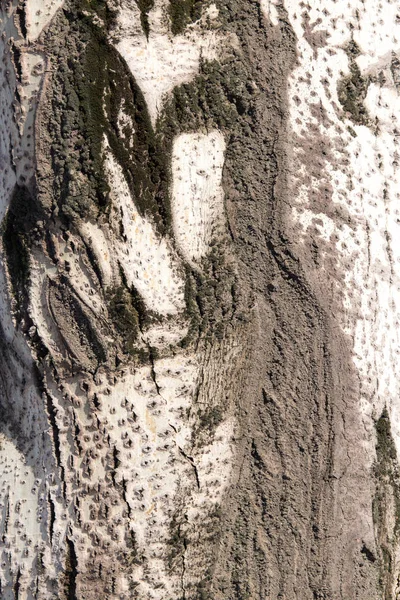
<point x="145" y="7"/>
<point x="218" y="97"/>
<point x="124" y="316"/>
<point x="352" y="90"/>
<point x="385" y="446"/>
<point x="387" y="476"/>
<point x="91" y="89"/>
<point x="210" y="302"/>
<point x="183" y="12"/>
<point x="177" y="541"/>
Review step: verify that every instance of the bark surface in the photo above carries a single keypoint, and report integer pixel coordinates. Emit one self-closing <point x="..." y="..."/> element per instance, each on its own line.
<point x="199" y="300"/>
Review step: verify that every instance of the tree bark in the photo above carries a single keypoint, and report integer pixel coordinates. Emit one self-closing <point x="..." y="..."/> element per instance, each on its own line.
<point x="199" y="300"/>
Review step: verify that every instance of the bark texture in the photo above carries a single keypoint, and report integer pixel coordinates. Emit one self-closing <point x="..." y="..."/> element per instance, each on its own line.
<point x="199" y="300"/>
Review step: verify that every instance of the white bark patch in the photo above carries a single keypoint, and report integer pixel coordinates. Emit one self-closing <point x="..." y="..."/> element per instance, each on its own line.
<point x="32" y="65"/>
<point x="363" y="177"/>
<point x="197" y="194"/>
<point x="39" y="13"/>
<point x="24" y="471"/>
<point x="126" y="126"/>
<point x="269" y="8"/>
<point x="147" y="259"/>
<point x="32" y="68"/>
<point x="147" y="422"/>
<point x="19" y="508"/>
<point x="163" y="61"/>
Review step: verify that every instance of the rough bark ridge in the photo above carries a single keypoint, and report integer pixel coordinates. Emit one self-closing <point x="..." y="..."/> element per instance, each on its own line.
<point x="198" y="300"/>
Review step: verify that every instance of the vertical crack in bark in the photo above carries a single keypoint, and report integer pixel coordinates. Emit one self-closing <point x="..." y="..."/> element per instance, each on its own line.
<point x="152" y="369"/>
<point x="184" y="569"/>
<point x="17" y="585"/>
<point x="51" y="410"/>
<point x="124" y="497"/>
<point x="6" y="518"/>
<point x="52" y="517"/>
<point x="77" y="434"/>
<point x="71" y="570"/>
<point x="116" y="463"/>
<point x="20" y="12"/>
<point x="389" y="252"/>
<point x="192" y="463"/>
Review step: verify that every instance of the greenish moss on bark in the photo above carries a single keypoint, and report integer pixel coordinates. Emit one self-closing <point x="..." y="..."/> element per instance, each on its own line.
<point x="387" y="477"/>
<point x="183" y="12"/>
<point x="124" y="316"/>
<point x="145" y="7"/>
<point x="219" y="97"/>
<point x="352" y="90"/>
<point x="91" y="88"/>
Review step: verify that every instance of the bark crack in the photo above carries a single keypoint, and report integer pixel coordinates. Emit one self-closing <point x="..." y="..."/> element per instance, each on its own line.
<point x="72" y="569"/>
<point x="17" y="585"/>
<point x="152" y="369"/>
<point x="56" y="432"/>
<point x="183" y="569"/>
<point x="52" y="518"/>
<point x="192" y="463"/>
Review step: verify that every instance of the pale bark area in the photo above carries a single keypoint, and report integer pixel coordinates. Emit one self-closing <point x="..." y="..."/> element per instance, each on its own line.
<point x="199" y="300"/>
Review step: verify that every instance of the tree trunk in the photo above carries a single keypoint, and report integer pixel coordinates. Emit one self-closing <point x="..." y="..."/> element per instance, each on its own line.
<point x="199" y="300"/>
